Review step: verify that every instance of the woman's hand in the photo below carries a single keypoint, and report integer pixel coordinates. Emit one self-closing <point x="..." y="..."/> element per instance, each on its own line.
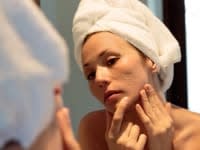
<point x="64" y="124"/>
<point x="123" y="135"/>
<point x="156" y="118"/>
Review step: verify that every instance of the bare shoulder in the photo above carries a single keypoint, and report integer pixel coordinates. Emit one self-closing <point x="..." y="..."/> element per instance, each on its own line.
<point x="187" y="129"/>
<point x="91" y="131"/>
<point x="185" y="117"/>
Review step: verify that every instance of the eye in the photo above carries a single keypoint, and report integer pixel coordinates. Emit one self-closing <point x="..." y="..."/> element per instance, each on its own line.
<point x="111" y="61"/>
<point x="91" y="76"/>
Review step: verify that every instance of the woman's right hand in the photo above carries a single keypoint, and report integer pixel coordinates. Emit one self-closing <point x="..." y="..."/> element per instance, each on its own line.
<point x="123" y="135"/>
<point x="156" y="117"/>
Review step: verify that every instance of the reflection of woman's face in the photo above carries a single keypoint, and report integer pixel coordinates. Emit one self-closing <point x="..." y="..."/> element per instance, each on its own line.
<point x="114" y="69"/>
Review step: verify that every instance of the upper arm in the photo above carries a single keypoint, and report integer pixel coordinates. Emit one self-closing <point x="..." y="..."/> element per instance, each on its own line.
<point x="192" y="143"/>
<point x="91" y="132"/>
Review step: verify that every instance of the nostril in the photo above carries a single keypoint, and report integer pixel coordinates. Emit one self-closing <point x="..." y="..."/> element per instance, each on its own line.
<point x="103" y="84"/>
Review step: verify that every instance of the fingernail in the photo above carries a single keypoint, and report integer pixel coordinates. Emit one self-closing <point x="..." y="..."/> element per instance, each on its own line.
<point x="147" y="87"/>
<point x="57" y="91"/>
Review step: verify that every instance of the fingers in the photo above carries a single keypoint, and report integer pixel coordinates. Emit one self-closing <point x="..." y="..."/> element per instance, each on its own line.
<point x="142" y="115"/>
<point x="64" y="123"/>
<point x="134" y="132"/>
<point x="153" y="97"/>
<point x="130" y="131"/>
<point x="147" y="112"/>
<point x="62" y="113"/>
<point x="152" y="105"/>
<point x="156" y="117"/>
<point x="58" y="97"/>
<point x="117" y="118"/>
<point x="142" y="141"/>
<point x="146" y="103"/>
<point x="121" y="134"/>
<point x="131" y="138"/>
<point x="108" y="122"/>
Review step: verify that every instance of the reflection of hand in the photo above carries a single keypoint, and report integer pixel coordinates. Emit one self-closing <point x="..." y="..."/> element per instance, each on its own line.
<point x="69" y="141"/>
<point x="64" y="123"/>
<point x="123" y="136"/>
<point x="156" y="118"/>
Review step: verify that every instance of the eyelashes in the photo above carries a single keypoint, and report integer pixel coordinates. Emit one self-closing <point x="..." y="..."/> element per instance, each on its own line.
<point x="111" y="61"/>
<point x="91" y="76"/>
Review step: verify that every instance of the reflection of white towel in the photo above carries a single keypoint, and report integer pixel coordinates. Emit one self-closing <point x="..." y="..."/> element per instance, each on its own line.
<point x="133" y="21"/>
<point x="32" y="62"/>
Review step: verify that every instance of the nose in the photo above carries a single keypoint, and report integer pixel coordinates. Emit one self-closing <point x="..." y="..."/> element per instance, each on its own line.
<point x="102" y="77"/>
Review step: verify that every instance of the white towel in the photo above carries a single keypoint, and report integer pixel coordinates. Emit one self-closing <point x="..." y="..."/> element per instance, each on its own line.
<point x="33" y="60"/>
<point x="133" y="21"/>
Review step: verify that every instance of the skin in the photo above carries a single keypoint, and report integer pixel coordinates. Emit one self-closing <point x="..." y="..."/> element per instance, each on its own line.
<point x="58" y="135"/>
<point x="69" y="141"/>
<point x="136" y="117"/>
<point x="117" y="77"/>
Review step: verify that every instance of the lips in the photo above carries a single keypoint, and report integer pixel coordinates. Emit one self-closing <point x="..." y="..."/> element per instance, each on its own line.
<point x="109" y="95"/>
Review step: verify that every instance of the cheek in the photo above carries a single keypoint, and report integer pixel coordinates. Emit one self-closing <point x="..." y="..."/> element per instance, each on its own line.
<point x="134" y="76"/>
<point x="134" y="80"/>
<point x="95" y="92"/>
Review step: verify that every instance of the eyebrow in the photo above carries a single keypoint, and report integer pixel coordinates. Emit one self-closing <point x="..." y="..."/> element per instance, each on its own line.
<point x="100" y="55"/>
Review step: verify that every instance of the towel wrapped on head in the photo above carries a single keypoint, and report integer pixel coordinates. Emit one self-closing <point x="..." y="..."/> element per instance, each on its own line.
<point x="134" y="22"/>
<point x="33" y="60"/>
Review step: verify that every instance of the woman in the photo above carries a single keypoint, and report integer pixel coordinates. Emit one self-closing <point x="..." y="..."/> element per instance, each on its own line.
<point x="127" y="56"/>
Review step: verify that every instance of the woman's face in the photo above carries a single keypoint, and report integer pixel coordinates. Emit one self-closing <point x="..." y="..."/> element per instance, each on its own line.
<point x="114" y="69"/>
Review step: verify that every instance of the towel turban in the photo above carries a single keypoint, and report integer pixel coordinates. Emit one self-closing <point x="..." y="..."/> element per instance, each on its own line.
<point x="33" y="60"/>
<point x="134" y="22"/>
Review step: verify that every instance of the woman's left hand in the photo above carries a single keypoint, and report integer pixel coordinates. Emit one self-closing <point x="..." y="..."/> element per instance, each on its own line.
<point x="156" y="118"/>
<point x="64" y="124"/>
<point x="121" y="135"/>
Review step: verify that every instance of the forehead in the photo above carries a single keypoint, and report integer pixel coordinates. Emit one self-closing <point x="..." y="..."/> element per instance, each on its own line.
<point x="98" y="42"/>
<point x="104" y="37"/>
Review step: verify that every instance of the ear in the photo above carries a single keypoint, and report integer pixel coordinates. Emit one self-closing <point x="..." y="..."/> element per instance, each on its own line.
<point x="155" y="68"/>
<point x="152" y="65"/>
